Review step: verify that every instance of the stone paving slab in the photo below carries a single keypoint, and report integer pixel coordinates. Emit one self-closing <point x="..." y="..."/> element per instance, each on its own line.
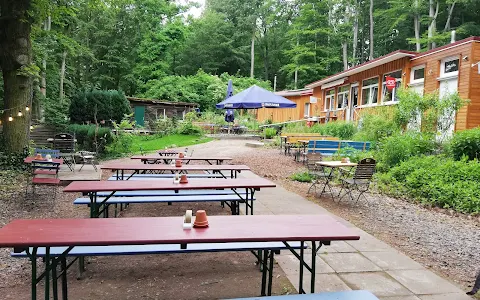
<point x="349" y="262"/>
<point x="392" y="260"/>
<point x="400" y="298"/>
<point x="323" y="283"/>
<point x="379" y="283"/>
<point x="455" y="296"/>
<point x="423" y="282"/>
<point x="290" y="264"/>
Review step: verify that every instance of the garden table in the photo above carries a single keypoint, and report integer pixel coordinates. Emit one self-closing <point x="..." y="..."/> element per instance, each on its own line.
<point x="154" y="159"/>
<point x="92" y="188"/>
<point x="30" y="159"/>
<point x="120" y="169"/>
<point x="30" y="235"/>
<point x="332" y="165"/>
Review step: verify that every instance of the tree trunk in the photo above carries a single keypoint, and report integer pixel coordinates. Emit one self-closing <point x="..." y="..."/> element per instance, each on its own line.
<point x="43" y="81"/>
<point x="371" y="30"/>
<point x="296" y="67"/>
<point x="345" y="55"/>
<point x="449" y="18"/>
<point x="355" y="33"/>
<point x="416" y="27"/>
<point x="15" y="55"/>
<point x="62" y="75"/>
<point x="432" y="28"/>
<point x="252" y="55"/>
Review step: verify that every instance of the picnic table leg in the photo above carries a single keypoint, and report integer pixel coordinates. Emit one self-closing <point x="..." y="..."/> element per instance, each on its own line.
<point x="63" y="264"/>
<point x="47" y="273"/>
<point x="313" y="265"/>
<point x="33" y="258"/>
<point x="270" y="273"/>
<point x="264" y="272"/>
<point x="300" y="283"/>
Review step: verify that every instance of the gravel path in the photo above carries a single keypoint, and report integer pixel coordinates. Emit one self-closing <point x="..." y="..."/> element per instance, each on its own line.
<point x="444" y="241"/>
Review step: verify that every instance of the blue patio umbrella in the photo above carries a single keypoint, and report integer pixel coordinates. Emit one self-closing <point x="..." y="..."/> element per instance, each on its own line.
<point x="256" y="97"/>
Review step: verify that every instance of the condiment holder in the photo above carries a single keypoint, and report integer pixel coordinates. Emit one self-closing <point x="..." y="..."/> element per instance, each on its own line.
<point x="201" y="219"/>
<point x="187" y="220"/>
<point x="181" y="155"/>
<point x="344" y="160"/>
<point x="48" y="157"/>
<point x="183" y="178"/>
<point x="38" y="157"/>
<point x="178" y="163"/>
<point x="176" y="179"/>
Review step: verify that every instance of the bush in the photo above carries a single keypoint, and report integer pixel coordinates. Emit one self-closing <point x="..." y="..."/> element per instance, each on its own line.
<point x="269" y="132"/>
<point x="56" y="113"/>
<point x="109" y="105"/>
<point x="465" y="143"/>
<point x="437" y="180"/>
<point x="399" y="147"/>
<point x="187" y="128"/>
<point x="352" y="153"/>
<point x="341" y="129"/>
<point x="302" y="177"/>
<point x="163" y="126"/>
<point x="85" y="135"/>
<point x="373" y="128"/>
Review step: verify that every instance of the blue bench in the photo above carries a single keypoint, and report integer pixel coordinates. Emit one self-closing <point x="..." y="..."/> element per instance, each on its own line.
<point x="162" y="176"/>
<point x="329" y="148"/>
<point x="347" y="295"/>
<point x="229" y="198"/>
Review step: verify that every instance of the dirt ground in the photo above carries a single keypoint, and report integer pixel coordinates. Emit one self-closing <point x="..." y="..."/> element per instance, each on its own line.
<point x="175" y="276"/>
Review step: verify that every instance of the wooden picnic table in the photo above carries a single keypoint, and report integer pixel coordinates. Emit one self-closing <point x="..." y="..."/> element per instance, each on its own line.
<point x="30" y="159"/>
<point x="120" y="169"/>
<point x="92" y="188"/>
<point x="332" y="165"/>
<point x="155" y="159"/>
<point x="29" y="235"/>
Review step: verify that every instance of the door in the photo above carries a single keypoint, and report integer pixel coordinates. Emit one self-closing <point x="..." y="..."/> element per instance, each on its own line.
<point x="446" y="122"/>
<point x="306" y="110"/>
<point x="140" y="115"/>
<point x="353" y="103"/>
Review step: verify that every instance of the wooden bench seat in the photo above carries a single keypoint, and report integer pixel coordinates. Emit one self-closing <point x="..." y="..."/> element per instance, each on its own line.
<point x="162" y="176"/>
<point x="163" y="199"/>
<point x="171" y="193"/>
<point x="347" y="295"/>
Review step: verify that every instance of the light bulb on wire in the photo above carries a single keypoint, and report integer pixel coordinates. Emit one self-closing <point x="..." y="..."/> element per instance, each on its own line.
<point x="19" y="113"/>
<point x="10" y="119"/>
<point x="27" y="108"/>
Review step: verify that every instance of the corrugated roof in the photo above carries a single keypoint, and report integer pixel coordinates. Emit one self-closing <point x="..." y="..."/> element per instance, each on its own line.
<point x="299" y="92"/>
<point x="155" y="101"/>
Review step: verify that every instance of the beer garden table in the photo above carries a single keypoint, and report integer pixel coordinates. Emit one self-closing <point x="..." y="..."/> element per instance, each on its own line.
<point x="154" y="159"/>
<point x="30" y="235"/>
<point x="332" y="165"/>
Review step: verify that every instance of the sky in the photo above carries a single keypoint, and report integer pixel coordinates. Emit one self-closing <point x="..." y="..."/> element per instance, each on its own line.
<point x="195" y="12"/>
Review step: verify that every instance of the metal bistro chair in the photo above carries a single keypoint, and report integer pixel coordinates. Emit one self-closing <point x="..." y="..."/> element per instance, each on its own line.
<point x="360" y="181"/>
<point x="88" y="157"/>
<point x="65" y="142"/>
<point x="317" y="171"/>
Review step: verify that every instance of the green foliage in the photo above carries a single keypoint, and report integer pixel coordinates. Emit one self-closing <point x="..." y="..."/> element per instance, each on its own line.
<point x="465" y="143"/>
<point x="302" y="177"/>
<point x="353" y="154"/>
<point x="164" y="126"/>
<point x="269" y="132"/>
<point x="56" y="113"/>
<point x="341" y="129"/>
<point x="103" y="105"/>
<point x="91" y="137"/>
<point x="374" y="128"/>
<point x="394" y="149"/>
<point x="187" y="128"/>
<point x="436" y="180"/>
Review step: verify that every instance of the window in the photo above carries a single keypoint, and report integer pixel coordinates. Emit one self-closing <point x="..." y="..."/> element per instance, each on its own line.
<point x="449" y="67"/>
<point x="391" y="95"/>
<point x="370" y="91"/>
<point x="306" y="111"/>
<point x="342" y="98"/>
<point x="329" y="99"/>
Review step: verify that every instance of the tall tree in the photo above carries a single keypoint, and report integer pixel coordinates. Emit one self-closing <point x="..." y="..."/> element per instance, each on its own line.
<point x="371" y="45"/>
<point x="17" y="70"/>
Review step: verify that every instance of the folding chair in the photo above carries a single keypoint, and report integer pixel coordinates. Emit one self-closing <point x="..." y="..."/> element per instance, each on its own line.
<point x="87" y="157"/>
<point x="360" y="181"/>
<point x="44" y="173"/>
<point x="317" y="171"/>
<point x="65" y="142"/>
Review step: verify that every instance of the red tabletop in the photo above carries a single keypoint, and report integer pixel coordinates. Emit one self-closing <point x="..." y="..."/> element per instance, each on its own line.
<point x="165" y="167"/>
<point x="169" y="230"/>
<point x="30" y="159"/>
<point x="152" y="157"/>
<point x="145" y="185"/>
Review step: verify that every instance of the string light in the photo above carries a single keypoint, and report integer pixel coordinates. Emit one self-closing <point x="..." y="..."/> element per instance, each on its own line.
<point x="10" y="119"/>
<point x="27" y="108"/>
<point x="31" y="127"/>
<point x="20" y="113"/>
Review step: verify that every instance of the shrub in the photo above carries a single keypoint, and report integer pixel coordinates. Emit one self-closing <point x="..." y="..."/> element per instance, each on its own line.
<point x="352" y="153"/>
<point x="302" y="177"/>
<point x="269" y="132"/>
<point x="399" y="147"/>
<point x="341" y="129"/>
<point x="163" y="126"/>
<point x="437" y="180"/>
<point x="187" y="128"/>
<point x="465" y="143"/>
<point x="108" y="105"/>
<point x="373" y="128"/>
<point x="85" y="135"/>
<point x="55" y="113"/>
<point x="122" y="143"/>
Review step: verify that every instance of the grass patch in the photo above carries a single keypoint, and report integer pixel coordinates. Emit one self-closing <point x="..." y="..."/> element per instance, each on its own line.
<point x="302" y="177"/>
<point x="153" y="143"/>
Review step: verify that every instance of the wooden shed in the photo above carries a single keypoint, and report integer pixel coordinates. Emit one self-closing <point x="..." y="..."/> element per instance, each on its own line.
<point x="303" y="110"/>
<point x="149" y="110"/>
<point x="451" y="68"/>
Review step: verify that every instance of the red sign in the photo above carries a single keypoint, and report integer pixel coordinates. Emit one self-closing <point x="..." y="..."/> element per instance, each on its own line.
<point x="390" y="82"/>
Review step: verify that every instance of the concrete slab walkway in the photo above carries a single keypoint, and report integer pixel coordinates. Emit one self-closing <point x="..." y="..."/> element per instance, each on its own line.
<point x="367" y="264"/>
